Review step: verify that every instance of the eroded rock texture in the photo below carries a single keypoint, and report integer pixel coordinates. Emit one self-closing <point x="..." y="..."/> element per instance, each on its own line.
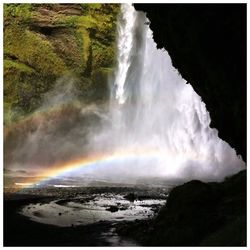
<point x="43" y="42"/>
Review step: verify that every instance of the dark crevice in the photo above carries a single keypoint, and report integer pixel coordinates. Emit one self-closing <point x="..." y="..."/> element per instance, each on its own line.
<point x="45" y="30"/>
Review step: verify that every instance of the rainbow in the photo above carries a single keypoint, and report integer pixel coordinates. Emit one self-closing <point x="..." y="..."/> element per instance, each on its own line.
<point x="41" y="115"/>
<point x="97" y="160"/>
<point x="89" y="161"/>
<point x="92" y="161"/>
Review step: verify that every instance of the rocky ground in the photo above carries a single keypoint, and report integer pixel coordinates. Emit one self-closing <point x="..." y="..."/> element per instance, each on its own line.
<point x="76" y="216"/>
<point x="197" y="214"/>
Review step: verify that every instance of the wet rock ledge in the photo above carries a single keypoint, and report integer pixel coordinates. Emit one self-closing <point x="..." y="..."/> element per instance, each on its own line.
<point x="197" y="214"/>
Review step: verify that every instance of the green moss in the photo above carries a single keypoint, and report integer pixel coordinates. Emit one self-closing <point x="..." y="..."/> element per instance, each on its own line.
<point x="23" y="88"/>
<point x="85" y="43"/>
<point x="32" y="49"/>
<point x="81" y="25"/>
<point x="20" y="11"/>
<point x="86" y="22"/>
<point x="95" y="6"/>
<point x="96" y="31"/>
<point x="103" y="56"/>
<point x="69" y="21"/>
<point x="8" y="114"/>
<point x="88" y="7"/>
<point x="42" y="44"/>
<point x="17" y="66"/>
<point x="103" y="32"/>
<point x="100" y="79"/>
<point x="14" y="73"/>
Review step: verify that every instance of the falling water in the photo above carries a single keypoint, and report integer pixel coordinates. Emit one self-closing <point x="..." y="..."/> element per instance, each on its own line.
<point x="153" y="109"/>
<point x="125" y="46"/>
<point x="155" y="127"/>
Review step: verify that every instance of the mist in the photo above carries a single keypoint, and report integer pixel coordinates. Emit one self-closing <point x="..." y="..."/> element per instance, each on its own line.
<point x="56" y="132"/>
<point x="152" y="111"/>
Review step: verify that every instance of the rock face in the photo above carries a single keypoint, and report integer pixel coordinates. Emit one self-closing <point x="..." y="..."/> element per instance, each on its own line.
<point x="197" y="213"/>
<point x="43" y="42"/>
<point x="207" y="44"/>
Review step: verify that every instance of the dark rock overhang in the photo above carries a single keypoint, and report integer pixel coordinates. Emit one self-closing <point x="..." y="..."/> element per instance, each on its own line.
<point x="207" y="44"/>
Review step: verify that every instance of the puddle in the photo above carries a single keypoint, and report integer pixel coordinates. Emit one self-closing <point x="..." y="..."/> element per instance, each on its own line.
<point x="87" y="210"/>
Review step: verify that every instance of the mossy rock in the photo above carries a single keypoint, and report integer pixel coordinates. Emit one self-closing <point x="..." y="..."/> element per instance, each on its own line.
<point x="101" y="79"/>
<point x="43" y="42"/>
<point x="33" y="50"/>
<point x="17" y="12"/>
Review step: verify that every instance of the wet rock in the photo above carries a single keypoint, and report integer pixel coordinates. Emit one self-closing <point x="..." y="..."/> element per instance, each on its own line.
<point x="37" y="214"/>
<point x="197" y="213"/>
<point x="113" y="209"/>
<point x="68" y="9"/>
<point x="131" y="197"/>
<point x="155" y="208"/>
<point x="122" y="208"/>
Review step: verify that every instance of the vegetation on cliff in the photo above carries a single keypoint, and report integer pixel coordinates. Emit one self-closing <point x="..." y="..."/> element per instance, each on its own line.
<point x="43" y="42"/>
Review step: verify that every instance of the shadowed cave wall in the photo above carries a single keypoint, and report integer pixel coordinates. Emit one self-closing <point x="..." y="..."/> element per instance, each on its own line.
<point x="207" y="44"/>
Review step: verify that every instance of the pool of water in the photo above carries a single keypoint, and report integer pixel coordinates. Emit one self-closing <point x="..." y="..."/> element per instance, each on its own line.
<point x="91" y="208"/>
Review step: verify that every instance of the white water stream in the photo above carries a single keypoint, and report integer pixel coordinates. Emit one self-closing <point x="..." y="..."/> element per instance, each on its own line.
<point x="153" y="109"/>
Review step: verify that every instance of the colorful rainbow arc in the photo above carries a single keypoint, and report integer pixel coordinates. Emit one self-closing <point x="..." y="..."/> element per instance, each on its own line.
<point x="97" y="160"/>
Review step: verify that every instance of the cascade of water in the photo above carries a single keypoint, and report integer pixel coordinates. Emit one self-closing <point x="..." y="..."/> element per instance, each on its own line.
<point x="157" y="111"/>
<point x="155" y="125"/>
<point x="124" y="45"/>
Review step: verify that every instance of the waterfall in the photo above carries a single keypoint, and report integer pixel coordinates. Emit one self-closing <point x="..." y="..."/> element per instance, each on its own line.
<point x="125" y="45"/>
<point x="157" y="115"/>
<point x="153" y="128"/>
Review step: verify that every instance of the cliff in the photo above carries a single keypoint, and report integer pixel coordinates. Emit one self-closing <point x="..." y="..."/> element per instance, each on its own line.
<point x="43" y="42"/>
<point x="197" y="214"/>
<point x="207" y="44"/>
